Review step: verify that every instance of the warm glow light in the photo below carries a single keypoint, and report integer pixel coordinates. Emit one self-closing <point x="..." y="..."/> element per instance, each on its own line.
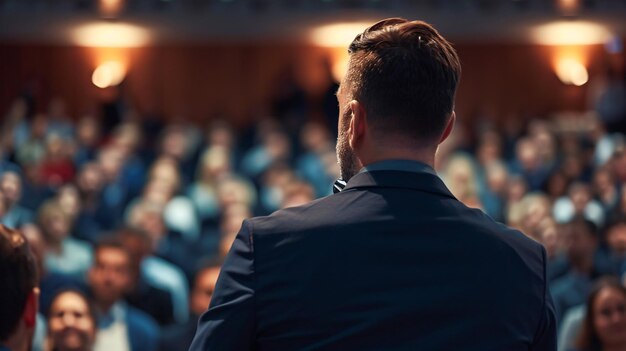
<point x="110" y="8"/>
<point x="568" y="7"/>
<point x="338" y="34"/>
<point x="114" y="35"/>
<point x="108" y="74"/>
<point x="571" y="33"/>
<point x="340" y="64"/>
<point x="571" y="71"/>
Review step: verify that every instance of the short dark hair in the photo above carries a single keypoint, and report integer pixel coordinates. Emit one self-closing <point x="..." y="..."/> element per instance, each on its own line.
<point x="133" y="232"/>
<point x="580" y="222"/>
<point x="111" y="241"/>
<point x="405" y="74"/>
<point x="18" y="278"/>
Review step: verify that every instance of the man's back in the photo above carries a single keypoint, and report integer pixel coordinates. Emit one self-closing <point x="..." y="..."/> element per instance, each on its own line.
<point x="393" y="262"/>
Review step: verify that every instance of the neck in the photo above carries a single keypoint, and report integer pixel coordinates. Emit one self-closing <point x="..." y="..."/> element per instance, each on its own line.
<point x="424" y="155"/>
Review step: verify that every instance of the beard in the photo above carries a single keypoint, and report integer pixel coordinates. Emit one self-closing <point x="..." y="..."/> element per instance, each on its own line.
<point x="348" y="163"/>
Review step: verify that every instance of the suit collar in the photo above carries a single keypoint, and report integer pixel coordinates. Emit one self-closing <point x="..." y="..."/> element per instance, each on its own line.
<point x="422" y="181"/>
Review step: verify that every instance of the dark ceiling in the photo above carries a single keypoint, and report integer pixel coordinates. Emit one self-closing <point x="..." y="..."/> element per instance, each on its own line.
<point x="254" y="20"/>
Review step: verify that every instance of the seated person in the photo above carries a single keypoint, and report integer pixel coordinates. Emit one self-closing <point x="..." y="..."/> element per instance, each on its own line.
<point x="604" y="327"/>
<point x="179" y="337"/>
<point x="144" y="295"/>
<point x="581" y="243"/>
<point x="120" y="327"/>
<point x="64" y="254"/>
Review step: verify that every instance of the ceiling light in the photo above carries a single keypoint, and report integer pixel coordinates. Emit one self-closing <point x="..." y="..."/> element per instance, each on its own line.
<point x="115" y="35"/>
<point x="338" y="34"/>
<point x="571" y="33"/>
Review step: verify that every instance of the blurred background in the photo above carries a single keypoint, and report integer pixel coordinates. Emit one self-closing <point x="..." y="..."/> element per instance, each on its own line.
<point x="152" y="128"/>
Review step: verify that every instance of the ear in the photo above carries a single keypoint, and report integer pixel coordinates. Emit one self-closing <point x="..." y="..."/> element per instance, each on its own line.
<point x="448" y="130"/>
<point x="358" y="124"/>
<point x="30" y="310"/>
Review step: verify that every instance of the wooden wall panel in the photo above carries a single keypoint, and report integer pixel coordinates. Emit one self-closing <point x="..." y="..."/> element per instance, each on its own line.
<point x="201" y="81"/>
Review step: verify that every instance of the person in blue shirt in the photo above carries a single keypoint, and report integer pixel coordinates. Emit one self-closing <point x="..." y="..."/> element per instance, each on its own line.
<point x="119" y="326"/>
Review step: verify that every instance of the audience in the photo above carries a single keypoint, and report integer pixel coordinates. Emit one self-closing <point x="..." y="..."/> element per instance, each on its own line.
<point x="175" y="194"/>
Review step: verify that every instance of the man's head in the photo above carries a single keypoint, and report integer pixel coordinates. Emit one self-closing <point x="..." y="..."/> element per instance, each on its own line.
<point x="53" y="221"/>
<point x="398" y="92"/>
<point x="138" y="244"/>
<point x="616" y="237"/>
<point x="110" y="275"/>
<point x="11" y="186"/>
<point x="18" y="290"/>
<point x="581" y="240"/>
<point x="203" y="287"/>
<point x="71" y="322"/>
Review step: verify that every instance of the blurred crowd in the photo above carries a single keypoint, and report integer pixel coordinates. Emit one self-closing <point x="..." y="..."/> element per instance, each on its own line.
<point x="131" y="218"/>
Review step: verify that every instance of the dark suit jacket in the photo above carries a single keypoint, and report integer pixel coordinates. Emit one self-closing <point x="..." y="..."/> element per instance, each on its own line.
<point x="393" y="262"/>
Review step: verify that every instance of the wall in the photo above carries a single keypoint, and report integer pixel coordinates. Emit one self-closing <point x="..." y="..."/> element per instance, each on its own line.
<point x="201" y="81"/>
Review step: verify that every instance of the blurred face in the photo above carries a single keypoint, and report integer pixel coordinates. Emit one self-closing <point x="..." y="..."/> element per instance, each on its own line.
<point x="110" y="275"/>
<point x="603" y="182"/>
<point x="57" y="225"/>
<point x="550" y="240"/>
<point x="69" y="200"/>
<point x="580" y="244"/>
<point x="616" y="238"/>
<point x="111" y="161"/>
<point x="220" y="136"/>
<point x="609" y="316"/>
<point x="138" y="249"/>
<point x="580" y="196"/>
<point x="516" y="190"/>
<point x="348" y="163"/>
<point x="203" y="289"/>
<point x="88" y="131"/>
<point x="11" y="186"/>
<point x="175" y="144"/>
<point x="165" y="173"/>
<point x="70" y="325"/>
<point x="527" y="154"/>
<point x="90" y="178"/>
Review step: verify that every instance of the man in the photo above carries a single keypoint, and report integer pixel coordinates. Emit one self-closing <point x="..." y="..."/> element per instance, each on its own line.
<point x="179" y="337"/>
<point x="120" y="327"/>
<point x="586" y="264"/>
<point x="394" y="261"/>
<point x="19" y="293"/>
<point x="142" y="294"/>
